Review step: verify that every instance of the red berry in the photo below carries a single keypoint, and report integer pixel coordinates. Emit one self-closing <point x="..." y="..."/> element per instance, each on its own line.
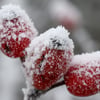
<point x="48" y="56"/>
<point x="16" y="31"/>
<point x="83" y="76"/>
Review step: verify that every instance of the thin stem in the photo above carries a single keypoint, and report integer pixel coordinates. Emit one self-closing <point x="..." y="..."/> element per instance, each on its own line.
<point x="57" y="85"/>
<point x="38" y="93"/>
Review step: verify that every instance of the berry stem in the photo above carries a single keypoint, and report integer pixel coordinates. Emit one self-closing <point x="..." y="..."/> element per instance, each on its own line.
<point x="38" y="93"/>
<point x="57" y="85"/>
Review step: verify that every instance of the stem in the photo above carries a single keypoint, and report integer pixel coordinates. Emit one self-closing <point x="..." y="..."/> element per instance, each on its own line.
<point x="38" y="93"/>
<point x="57" y="85"/>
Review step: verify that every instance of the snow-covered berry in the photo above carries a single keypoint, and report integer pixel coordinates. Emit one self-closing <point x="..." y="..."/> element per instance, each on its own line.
<point x="47" y="58"/>
<point x="83" y="76"/>
<point x="16" y="31"/>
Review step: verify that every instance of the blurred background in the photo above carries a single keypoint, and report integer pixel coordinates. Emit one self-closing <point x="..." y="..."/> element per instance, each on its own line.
<point x="80" y="17"/>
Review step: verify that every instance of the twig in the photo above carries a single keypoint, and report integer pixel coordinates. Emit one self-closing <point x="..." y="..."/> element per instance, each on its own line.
<point x="38" y="93"/>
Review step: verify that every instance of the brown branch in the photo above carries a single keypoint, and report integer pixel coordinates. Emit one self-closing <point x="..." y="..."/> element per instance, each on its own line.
<point x="57" y="85"/>
<point x="38" y="93"/>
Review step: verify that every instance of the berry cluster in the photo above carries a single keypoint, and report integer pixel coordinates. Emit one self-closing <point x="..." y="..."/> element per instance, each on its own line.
<point x="48" y="57"/>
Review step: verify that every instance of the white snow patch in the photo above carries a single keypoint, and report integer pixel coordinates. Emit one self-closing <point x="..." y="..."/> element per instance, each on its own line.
<point x="59" y="34"/>
<point x="88" y="59"/>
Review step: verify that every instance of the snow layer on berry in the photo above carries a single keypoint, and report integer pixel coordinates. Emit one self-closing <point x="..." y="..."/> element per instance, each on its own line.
<point x="87" y="59"/>
<point x="16" y="31"/>
<point x="57" y="38"/>
<point x="11" y="12"/>
<point x="87" y="64"/>
<point x="53" y="39"/>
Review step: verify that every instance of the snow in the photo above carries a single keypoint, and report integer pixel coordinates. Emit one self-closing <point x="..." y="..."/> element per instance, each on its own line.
<point x="89" y="64"/>
<point x="11" y="12"/>
<point x="59" y="34"/>
<point x="38" y="45"/>
<point x="89" y="59"/>
<point x="27" y="92"/>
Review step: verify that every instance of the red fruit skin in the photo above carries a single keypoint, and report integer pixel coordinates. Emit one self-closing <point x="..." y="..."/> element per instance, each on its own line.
<point x="83" y="80"/>
<point x="54" y="68"/>
<point x="14" y="39"/>
<point x="48" y="57"/>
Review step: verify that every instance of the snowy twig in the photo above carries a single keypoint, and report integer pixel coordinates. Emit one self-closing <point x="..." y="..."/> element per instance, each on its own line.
<point x="34" y="94"/>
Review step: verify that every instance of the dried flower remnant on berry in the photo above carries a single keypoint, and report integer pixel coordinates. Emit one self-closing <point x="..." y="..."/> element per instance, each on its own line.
<point x="16" y="31"/>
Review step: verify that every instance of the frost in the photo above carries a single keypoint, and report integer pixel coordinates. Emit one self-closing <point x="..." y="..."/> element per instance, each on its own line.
<point x="16" y="28"/>
<point x="54" y="38"/>
<point x="27" y="92"/>
<point x="58" y="36"/>
<point x="87" y="64"/>
<point x="14" y="37"/>
<point x="88" y="59"/>
<point x="12" y="15"/>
